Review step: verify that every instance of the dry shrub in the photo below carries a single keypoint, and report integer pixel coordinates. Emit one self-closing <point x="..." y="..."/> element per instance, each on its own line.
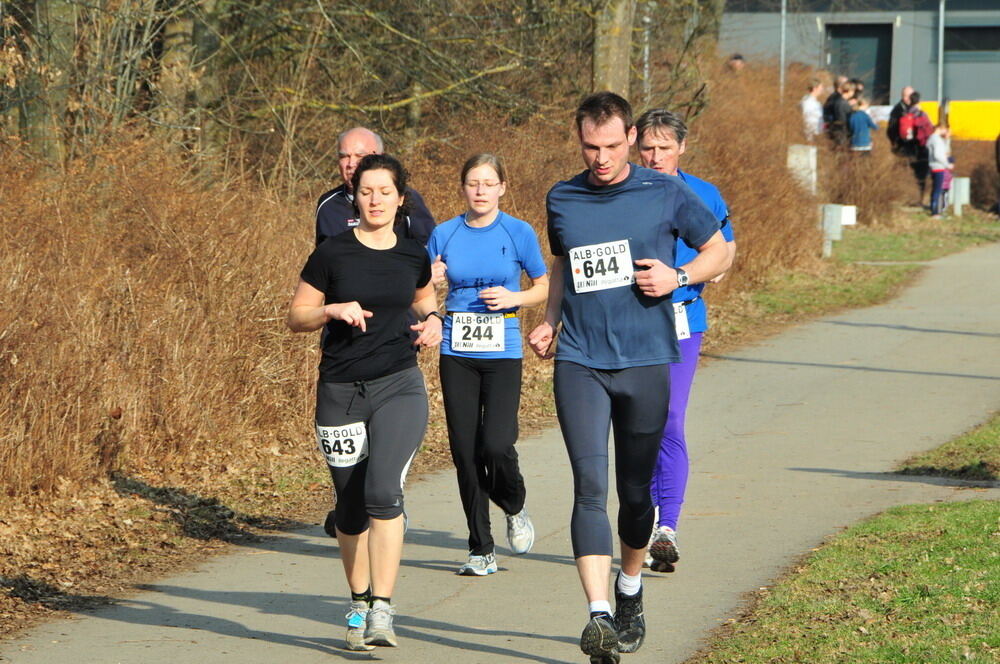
<point x="141" y="310"/>
<point x="876" y="183"/>
<point x="977" y="160"/>
<point x="740" y="144"/>
<point x="141" y="320"/>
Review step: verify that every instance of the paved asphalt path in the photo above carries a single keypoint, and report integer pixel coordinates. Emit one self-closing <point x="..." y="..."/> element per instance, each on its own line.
<point x="792" y="441"/>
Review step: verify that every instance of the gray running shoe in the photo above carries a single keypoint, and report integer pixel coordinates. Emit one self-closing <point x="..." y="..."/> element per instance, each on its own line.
<point x="629" y="621"/>
<point x="356" y="619"/>
<point x="479" y="565"/>
<point x="520" y="532"/>
<point x="600" y="640"/>
<point x="664" y="545"/>
<point x="378" y="628"/>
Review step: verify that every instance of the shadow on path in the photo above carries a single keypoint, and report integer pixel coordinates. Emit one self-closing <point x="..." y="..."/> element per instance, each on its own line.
<point x="908" y="328"/>
<point x="842" y="367"/>
<point x="935" y="480"/>
<point x="199" y="517"/>
<point x="323" y="610"/>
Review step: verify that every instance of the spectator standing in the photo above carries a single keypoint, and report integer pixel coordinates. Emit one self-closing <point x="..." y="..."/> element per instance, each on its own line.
<point x="861" y="126"/>
<point x="812" y="109"/>
<point x="939" y="160"/>
<point x="898" y="111"/>
<point x="836" y="112"/>
<point x="914" y="130"/>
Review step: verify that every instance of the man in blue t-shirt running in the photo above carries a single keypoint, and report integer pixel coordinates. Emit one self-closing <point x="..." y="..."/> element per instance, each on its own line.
<point x="612" y="232"/>
<point x="662" y="140"/>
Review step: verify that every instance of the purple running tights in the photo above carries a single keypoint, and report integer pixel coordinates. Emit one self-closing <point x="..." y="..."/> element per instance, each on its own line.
<point x="671" y="474"/>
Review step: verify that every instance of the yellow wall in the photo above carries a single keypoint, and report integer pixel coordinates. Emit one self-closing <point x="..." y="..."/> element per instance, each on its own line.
<point x="970" y="120"/>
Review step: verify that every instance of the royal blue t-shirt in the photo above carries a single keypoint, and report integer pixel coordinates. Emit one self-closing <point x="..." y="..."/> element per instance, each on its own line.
<point x="479" y="258"/>
<point x="706" y="191"/>
<point x="861" y="125"/>
<point x="618" y="327"/>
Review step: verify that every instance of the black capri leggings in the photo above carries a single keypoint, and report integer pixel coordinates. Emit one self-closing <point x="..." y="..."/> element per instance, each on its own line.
<point x="589" y="402"/>
<point x="481" y="398"/>
<point x="369" y="432"/>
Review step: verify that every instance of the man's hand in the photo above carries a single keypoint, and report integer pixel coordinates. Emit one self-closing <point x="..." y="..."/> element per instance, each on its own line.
<point x="498" y="297"/>
<point x="657" y="281"/>
<point x="541" y="340"/>
<point x="430" y="332"/>
<point x="438" y="270"/>
<point x="349" y="312"/>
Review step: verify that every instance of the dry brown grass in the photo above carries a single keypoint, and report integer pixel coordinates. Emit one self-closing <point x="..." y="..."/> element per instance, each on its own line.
<point x="141" y="321"/>
<point x="977" y="160"/>
<point x="141" y="330"/>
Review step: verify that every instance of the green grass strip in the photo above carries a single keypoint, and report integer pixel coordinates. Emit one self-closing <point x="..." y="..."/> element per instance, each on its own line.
<point x="914" y="584"/>
<point x="972" y="456"/>
<point x="919" y="239"/>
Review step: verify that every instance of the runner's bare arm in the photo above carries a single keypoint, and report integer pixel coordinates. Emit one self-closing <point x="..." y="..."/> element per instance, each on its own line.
<point x="660" y="279"/>
<point x="542" y="337"/>
<point x="498" y="297"/>
<point x="424" y="304"/>
<point x="307" y="311"/>
<point x="731" y="246"/>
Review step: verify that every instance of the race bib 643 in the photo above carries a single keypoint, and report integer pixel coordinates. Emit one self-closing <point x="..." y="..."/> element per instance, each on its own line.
<point x="344" y="445"/>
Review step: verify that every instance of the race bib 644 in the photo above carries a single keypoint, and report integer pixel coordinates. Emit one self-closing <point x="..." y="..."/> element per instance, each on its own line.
<point x="600" y="266"/>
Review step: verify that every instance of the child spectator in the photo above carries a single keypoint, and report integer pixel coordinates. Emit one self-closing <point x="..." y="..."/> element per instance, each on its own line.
<point x="861" y="124"/>
<point x="939" y="156"/>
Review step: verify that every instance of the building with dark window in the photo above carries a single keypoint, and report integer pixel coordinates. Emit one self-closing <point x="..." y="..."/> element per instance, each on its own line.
<point x="887" y="44"/>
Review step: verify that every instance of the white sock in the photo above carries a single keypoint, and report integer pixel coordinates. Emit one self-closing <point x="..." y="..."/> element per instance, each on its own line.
<point x="600" y="606"/>
<point x="629" y="585"/>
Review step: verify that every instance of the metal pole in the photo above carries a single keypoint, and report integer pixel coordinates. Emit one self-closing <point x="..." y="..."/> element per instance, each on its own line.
<point x="940" y="63"/>
<point x="781" y="75"/>
<point x="647" y="84"/>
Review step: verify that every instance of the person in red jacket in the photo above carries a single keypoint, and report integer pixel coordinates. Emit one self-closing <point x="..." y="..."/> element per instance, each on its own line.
<point x="914" y="130"/>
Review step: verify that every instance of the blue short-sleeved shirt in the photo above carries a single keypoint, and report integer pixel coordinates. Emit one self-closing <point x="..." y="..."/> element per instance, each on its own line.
<point x="707" y="192"/>
<point x="619" y="327"/>
<point x="479" y="258"/>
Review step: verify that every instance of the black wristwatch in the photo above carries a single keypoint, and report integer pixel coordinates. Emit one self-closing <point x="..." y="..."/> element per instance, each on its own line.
<point x="682" y="278"/>
<point x="434" y="313"/>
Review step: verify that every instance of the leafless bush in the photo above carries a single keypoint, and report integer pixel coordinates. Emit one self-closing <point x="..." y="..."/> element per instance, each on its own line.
<point x="141" y="308"/>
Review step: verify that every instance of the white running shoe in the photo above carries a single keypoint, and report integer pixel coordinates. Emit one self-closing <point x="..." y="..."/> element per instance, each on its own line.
<point x="356" y="620"/>
<point x="479" y="565"/>
<point x="664" y="545"/>
<point x="520" y="532"/>
<point x="378" y="625"/>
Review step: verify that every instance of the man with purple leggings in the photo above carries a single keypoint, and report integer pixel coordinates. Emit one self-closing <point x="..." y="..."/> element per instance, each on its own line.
<point x="661" y="142"/>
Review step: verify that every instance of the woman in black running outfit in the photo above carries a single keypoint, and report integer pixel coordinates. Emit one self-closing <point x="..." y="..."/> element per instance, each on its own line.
<point x="371" y="404"/>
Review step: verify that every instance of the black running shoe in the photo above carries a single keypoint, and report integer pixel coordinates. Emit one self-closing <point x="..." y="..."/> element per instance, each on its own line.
<point x="630" y="623"/>
<point x="600" y="640"/>
<point x="660" y="566"/>
<point x="330" y="525"/>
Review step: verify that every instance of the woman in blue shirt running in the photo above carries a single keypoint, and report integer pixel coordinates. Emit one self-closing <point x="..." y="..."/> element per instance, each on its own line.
<point x="481" y="254"/>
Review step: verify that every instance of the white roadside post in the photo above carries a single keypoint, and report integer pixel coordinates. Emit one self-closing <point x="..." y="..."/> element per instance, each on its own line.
<point x="833" y="218"/>
<point x="830" y="216"/>
<point x="802" y="163"/>
<point x="961" y="194"/>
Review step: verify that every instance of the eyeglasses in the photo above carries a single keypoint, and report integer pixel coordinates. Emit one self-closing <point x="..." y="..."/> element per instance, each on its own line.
<point x="485" y="184"/>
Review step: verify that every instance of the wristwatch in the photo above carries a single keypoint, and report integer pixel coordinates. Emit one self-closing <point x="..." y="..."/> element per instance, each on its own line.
<point x="682" y="278"/>
<point x="434" y="313"/>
